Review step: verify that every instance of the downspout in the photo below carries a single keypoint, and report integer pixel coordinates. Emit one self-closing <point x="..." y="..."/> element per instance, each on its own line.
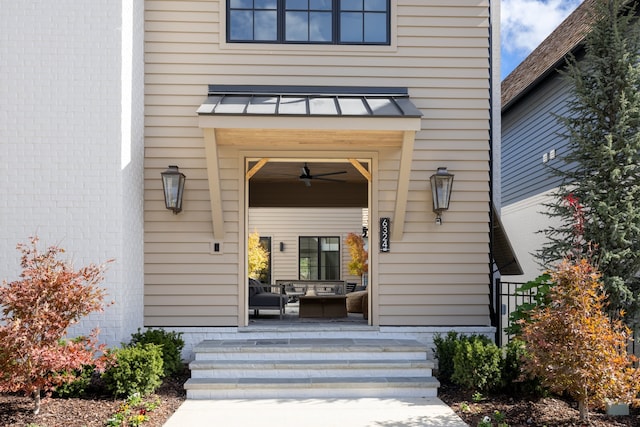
<point x="494" y="144"/>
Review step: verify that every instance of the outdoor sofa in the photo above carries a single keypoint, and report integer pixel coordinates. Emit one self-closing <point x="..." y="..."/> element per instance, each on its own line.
<point x="266" y="297"/>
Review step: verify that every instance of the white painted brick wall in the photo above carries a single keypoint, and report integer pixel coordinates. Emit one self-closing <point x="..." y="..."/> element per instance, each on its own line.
<point x="62" y="142"/>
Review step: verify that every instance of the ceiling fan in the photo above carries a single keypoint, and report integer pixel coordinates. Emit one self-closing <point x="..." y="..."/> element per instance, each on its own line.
<point x="307" y="177"/>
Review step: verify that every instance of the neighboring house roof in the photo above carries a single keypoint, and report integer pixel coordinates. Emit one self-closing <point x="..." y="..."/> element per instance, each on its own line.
<point x="549" y="55"/>
<point x="308" y="101"/>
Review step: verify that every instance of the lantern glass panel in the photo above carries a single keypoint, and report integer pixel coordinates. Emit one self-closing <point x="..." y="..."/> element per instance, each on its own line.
<point x="173" y="186"/>
<point x="441" y="184"/>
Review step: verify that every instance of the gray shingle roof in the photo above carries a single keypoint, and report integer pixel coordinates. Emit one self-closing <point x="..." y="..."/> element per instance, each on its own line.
<point x="549" y="55"/>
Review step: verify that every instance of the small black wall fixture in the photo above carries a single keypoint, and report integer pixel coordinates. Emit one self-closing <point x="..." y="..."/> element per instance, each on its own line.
<point x="441" y="183"/>
<point x="281" y="246"/>
<point x="173" y="185"/>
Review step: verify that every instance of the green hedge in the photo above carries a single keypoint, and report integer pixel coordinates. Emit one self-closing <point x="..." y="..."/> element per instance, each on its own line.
<point x="78" y="386"/>
<point x="134" y="369"/>
<point x="476" y="363"/>
<point x="444" y="352"/>
<point x="171" y="343"/>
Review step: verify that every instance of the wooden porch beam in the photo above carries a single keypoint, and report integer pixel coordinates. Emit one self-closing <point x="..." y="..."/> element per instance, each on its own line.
<point x="402" y="193"/>
<point x="213" y="174"/>
<point x="254" y="170"/>
<point x="363" y="171"/>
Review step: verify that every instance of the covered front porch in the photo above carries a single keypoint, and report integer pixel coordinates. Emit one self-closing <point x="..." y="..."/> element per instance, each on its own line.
<point x="309" y="157"/>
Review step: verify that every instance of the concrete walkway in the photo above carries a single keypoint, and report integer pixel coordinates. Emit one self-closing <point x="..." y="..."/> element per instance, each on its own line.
<point x="366" y="412"/>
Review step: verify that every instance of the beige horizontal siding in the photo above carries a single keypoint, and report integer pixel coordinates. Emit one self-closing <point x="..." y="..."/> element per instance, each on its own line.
<point x="435" y="275"/>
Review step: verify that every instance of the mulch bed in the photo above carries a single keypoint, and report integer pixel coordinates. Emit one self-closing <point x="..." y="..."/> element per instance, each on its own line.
<point x="91" y="411"/>
<point x="527" y="410"/>
<point x="95" y="409"/>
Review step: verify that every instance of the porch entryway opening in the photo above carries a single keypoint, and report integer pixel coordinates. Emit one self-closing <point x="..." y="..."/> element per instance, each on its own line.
<point x="308" y="217"/>
<point x="307" y="129"/>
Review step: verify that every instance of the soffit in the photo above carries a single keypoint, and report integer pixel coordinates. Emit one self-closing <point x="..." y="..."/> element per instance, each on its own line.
<point x="503" y="254"/>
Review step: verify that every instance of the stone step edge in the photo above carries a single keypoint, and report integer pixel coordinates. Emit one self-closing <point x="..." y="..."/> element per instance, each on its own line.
<point x="305" y="383"/>
<point x="312" y="355"/>
<point x="310" y="363"/>
<point x="313" y="393"/>
<point x="308" y="345"/>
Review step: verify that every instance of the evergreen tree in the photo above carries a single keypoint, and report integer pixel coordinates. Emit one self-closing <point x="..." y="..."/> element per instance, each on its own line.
<point x="601" y="170"/>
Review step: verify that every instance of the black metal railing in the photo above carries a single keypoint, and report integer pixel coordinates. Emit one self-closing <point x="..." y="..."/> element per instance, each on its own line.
<point x="507" y="299"/>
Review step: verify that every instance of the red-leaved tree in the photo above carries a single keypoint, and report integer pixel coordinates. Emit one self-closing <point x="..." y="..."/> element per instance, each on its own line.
<point x="574" y="347"/>
<point x="37" y="311"/>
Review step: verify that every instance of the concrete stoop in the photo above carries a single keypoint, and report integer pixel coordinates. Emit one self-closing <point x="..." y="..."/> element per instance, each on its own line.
<point x="294" y="368"/>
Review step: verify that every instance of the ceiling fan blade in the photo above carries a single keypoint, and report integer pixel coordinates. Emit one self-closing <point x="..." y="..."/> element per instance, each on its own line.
<point x="329" y="173"/>
<point x="329" y="179"/>
<point x="307" y="177"/>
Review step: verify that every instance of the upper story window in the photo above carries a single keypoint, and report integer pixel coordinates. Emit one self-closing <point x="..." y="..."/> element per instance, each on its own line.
<point x="309" y="21"/>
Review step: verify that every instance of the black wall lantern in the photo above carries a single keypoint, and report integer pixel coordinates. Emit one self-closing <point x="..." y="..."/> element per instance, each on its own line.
<point x="441" y="183"/>
<point x="173" y="185"/>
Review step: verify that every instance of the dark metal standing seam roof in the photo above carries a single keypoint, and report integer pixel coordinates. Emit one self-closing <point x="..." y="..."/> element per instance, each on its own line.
<point x="315" y="101"/>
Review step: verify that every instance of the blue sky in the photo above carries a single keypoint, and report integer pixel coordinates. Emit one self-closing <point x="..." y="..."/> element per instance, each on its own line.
<point x="525" y="24"/>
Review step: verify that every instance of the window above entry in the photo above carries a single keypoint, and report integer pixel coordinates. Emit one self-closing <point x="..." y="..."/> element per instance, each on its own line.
<point x="359" y="22"/>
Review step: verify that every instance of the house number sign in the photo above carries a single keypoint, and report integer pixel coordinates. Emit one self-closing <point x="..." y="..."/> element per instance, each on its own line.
<point x="385" y="231"/>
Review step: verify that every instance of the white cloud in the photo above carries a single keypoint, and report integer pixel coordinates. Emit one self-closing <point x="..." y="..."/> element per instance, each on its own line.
<point x="526" y="23"/>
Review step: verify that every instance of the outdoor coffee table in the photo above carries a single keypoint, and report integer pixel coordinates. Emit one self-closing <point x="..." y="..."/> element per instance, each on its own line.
<point x="327" y="306"/>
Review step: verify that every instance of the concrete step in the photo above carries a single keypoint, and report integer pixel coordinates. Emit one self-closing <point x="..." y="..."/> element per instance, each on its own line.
<point x="307" y="388"/>
<point x="305" y="348"/>
<point x="310" y="368"/>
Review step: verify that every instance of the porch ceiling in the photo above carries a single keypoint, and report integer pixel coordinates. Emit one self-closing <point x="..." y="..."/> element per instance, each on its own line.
<point x="288" y="172"/>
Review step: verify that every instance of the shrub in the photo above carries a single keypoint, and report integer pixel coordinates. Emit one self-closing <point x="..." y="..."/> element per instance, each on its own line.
<point x="134" y="369"/>
<point x="74" y="382"/>
<point x="171" y="343"/>
<point x="37" y="311"/>
<point x="476" y="363"/>
<point x="444" y="352"/>
<point x="77" y="387"/>
<point x="514" y="379"/>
